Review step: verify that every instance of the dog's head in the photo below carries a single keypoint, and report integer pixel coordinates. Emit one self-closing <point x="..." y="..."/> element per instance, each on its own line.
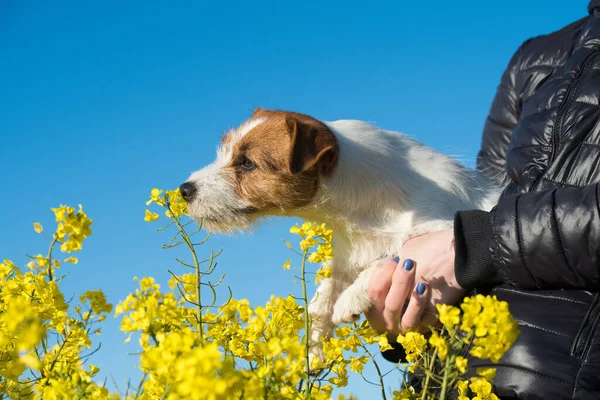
<point x="270" y="165"/>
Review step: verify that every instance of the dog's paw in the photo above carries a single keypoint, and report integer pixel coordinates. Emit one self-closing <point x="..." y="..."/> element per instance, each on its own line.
<point x="342" y="315"/>
<point x="348" y="308"/>
<point x="316" y="360"/>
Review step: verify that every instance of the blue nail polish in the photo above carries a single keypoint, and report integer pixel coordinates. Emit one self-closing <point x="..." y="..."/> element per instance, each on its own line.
<point x="396" y="260"/>
<point x="420" y="288"/>
<point x="408" y="264"/>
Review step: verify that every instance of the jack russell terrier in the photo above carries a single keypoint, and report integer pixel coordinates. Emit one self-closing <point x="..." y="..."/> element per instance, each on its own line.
<point x="375" y="188"/>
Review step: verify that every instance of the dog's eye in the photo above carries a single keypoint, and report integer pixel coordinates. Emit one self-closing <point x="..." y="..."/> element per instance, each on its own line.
<point x="246" y="164"/>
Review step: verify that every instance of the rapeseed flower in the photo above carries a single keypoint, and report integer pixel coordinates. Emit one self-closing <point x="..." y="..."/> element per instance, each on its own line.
<point x="191" y="347"/>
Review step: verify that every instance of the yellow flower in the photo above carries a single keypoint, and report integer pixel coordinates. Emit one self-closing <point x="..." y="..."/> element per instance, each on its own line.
<point x="72" y="260"/>
<point x="440" y="344"/>
<point x="461" y="364"/>
<point x="405" y="394"/>
<point x="357" y="363"/>
<point x="383" y="343"/>
<point x="38" y="262"/>
<point x="463" y="390"/>
<point x="302" y="231"/>
<point x="481" y="387"/>
<point x="414" y="343"/>
<point x="38" y="227"/>
<point x="97" y="300"/>
<point x="7" y="269"/>
<point x="324" y="253"/>
<point x="494" y="327"/>
<point x="308" y="243"/>
<point x="323" y="273"/>
<point x="151" y="216"/>
<point x="155" y="197"/>
<point x="31" y="361"/>
<point x="449" y="315"/>
<point x="487" y="373"/>
<point x="75" y="225"/>
<point x="177" y="206"/>
<point x="61" y="212"/>
<point x="94" y="370"/>
<point x="287" y="264"/>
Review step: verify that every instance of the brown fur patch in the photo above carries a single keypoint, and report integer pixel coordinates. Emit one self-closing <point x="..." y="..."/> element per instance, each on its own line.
<point x="290" y="151"/>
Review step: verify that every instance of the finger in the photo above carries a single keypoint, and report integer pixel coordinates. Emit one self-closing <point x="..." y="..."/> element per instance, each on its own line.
<point x="402" y="282"/>
<point x="418" y="302"/>
<point x="430" y="318"/>
<point x="380" y="283"/>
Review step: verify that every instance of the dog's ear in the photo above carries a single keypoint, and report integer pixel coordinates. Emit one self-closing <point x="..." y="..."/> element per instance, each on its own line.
<point x="313" y="146"/>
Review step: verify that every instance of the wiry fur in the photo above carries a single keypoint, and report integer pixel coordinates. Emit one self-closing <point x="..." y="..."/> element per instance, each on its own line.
<point x="384" y="189"/>
<point x="222" y="210"/>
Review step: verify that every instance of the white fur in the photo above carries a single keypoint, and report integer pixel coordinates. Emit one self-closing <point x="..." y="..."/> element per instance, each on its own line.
<point x="385" y="189"/>
<point x="215" y="201"/>
<point x="224" y="152"/>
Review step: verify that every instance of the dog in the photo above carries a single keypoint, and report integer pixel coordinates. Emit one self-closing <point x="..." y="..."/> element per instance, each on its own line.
<point x="375" y="188"/>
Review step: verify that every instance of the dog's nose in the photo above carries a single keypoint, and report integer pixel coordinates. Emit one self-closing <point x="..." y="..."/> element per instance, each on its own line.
<point x="187" y="190"/>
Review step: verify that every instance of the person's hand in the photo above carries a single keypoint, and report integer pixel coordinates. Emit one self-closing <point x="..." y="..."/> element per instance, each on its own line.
<point x="405" y="291"/>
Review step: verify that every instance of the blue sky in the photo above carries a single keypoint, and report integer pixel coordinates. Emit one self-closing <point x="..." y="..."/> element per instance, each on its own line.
<point x="100" y="102"/>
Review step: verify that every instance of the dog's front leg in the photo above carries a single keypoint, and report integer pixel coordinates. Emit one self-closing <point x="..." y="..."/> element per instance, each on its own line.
<point x="321" y="311"/>
<point x="355" y="299"/>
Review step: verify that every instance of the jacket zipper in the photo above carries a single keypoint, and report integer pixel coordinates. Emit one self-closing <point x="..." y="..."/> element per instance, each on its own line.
<point x="564" y="107"/>
<point x="587" y="328"/>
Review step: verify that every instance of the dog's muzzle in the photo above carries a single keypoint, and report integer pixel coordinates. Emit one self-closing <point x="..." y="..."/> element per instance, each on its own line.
<point x="188" y="190"/>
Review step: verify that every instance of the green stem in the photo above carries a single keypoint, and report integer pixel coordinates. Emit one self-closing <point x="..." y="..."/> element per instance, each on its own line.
<point x="49" y="258"/>
<point x="379" y="374"/>
<point x="306" y="327"/>
<point x="60" y="349"/>
<point x="428" y="372"/>
<point x="449" y="362"/>
<point x="189" y="243"/>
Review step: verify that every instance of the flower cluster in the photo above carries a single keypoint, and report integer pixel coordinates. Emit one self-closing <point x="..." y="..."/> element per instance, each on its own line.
<point x="191" y="347"/>
<point x="414" y="344"/>
<point x="494" y="327"/>
<point x="43" y="337"/>
<point x="242" y="351"/>
<point x="485" y="328"/>
<point x="319" y="240"/>
<point x="172" y="201"/>
<point x="73" y="228"/>
<point x="315" y="236"/>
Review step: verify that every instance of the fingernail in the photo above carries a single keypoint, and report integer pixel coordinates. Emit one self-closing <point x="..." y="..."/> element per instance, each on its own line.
<point x="421" y="288"/>
<point x="396" y="260"/>
<point x="408" y="264"/>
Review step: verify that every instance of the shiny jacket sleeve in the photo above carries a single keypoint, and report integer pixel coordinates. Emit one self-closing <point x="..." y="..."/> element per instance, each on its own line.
<point x="538" y="240"/>
<point x="502" y="119"/>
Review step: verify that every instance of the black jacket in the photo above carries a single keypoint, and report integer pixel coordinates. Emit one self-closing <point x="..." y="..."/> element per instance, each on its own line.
<point x="539" y="248"/>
